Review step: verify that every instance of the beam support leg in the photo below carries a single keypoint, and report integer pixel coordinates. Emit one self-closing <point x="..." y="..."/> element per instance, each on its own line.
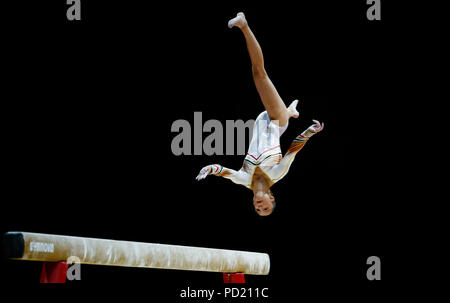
<point x="54" y="272"/>
<point x="233" y="278"/>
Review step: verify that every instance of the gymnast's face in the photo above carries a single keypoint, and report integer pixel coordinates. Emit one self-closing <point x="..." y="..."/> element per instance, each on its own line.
<point x="263" y="203"/>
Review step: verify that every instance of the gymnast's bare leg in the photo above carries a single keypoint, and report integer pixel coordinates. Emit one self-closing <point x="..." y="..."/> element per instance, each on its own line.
<point x="274" y="105"/>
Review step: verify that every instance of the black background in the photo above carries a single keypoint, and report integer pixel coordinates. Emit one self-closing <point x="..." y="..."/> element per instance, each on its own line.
<point x="87" y="112"/>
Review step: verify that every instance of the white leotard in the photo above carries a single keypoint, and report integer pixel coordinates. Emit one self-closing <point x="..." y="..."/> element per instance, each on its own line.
<point x="264" y="152"/>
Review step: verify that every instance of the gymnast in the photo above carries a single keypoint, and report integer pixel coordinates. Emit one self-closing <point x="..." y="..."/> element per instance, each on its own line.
<point x="264" y="165"/>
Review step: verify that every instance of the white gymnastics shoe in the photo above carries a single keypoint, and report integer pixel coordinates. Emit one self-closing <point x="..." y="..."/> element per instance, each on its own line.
<point x="292" y="109"/>
<point x="238" y="21"/>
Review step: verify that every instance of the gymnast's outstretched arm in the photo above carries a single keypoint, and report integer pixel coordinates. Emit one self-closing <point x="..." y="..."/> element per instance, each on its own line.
<point x="278" y="171"/>
<point x="239" y="177"/>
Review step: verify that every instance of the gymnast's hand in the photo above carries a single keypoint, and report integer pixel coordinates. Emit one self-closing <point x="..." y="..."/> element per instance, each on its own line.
<point x="204" y="172"/>
<point x="315" y="128"/>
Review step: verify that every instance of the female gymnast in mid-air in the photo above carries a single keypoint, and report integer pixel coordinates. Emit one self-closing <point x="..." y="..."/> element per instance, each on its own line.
<point x="263" y="165"/>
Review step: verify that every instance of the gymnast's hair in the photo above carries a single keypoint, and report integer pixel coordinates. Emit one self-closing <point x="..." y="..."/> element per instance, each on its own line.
<point x="274" y="203"/>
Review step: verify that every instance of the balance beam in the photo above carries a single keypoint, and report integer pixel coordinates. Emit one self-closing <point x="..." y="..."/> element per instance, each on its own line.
<point x="56" y="248"/>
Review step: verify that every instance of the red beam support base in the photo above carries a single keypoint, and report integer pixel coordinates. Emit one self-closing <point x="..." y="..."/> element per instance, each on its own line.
<point x="233" y="278"/>
<point x="54" y="272"/>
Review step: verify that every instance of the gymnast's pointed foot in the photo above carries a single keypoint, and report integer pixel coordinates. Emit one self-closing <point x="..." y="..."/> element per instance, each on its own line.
<point x="292" y="109"/>
<point x="238" y="21"/>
